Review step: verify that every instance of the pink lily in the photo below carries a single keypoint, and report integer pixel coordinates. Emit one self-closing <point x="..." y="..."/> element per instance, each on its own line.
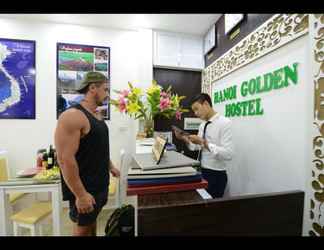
<point x="164" y="103"/>
<point x="124" y="93"/>
<point x="122" y="104"/>
<point x="178" y="115"/>
<point x="164" y="94"/>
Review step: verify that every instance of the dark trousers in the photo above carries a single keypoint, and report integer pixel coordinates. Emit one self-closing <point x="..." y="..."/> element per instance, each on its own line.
<point x="217" y="181"/>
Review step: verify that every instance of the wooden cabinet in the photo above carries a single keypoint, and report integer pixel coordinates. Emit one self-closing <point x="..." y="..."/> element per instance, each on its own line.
<point x="176" y="50"/>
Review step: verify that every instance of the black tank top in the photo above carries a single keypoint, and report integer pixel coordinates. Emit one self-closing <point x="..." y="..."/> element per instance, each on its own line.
<point x="92" y="157"/>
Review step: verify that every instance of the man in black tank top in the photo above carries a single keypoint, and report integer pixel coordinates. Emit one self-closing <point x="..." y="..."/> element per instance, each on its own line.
<point x="82" y="145"/>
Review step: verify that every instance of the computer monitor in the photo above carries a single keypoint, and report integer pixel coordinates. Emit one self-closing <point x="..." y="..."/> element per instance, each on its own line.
<point x="159" y="148"/>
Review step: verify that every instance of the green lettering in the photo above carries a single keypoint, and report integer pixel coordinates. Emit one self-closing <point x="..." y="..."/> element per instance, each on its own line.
<point x="252" y="86"/>
<point x="245" y="105"/>
<point x="215" y="97"/>
<point x="268" y="81"/>
<point x="251" y="107"/>
<point x="238" y="110"/>
<point x="244" y="88"/>
<point x="291" y="74"/>
<point x="277" y="77"/>
<point x="258" y="85"/>
<point x="233" y="92"/>
<point x="228" y="110"/>
<point x="258" y="110"/>
<point x="227" y="93"/>
<point x="221" y="97"/>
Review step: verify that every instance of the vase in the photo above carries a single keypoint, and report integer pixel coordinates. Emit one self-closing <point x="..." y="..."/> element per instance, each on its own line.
<point x="162" y="124"/>
<point x="149" y="128"/>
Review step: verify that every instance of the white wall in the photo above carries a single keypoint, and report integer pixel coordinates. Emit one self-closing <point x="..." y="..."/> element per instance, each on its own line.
<point x="131" y="60"/>
<point x="272" y="150"/>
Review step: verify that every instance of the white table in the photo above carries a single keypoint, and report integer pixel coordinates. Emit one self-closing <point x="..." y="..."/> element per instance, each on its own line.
<point x="54" y="188"/>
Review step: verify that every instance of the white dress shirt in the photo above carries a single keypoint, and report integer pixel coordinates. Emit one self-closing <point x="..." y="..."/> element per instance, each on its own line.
<point x="219" y="139"/>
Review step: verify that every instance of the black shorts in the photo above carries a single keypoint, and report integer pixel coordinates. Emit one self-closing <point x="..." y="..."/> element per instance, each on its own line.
<point x="88" y="218"/>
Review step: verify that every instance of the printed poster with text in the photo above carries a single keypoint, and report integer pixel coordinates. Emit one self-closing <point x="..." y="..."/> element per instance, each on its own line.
<point x="73" y="61"/>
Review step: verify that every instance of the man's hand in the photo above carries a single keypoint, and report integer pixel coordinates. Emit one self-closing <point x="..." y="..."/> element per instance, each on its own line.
<point x="113" y="170"/>
<point x="182" y="137"/>
<point x="196" y="139"/>
<point x="85" y="203"/>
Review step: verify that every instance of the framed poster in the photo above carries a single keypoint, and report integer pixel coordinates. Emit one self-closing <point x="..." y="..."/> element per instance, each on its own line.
<point x="231" y="20"/>
<point x="17" y="79"/>
<point x="73" y="61"/>
<point x="210" y="39"/>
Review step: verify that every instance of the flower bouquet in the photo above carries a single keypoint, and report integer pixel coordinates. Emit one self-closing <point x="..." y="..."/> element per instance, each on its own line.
<point x="150" y="104"/>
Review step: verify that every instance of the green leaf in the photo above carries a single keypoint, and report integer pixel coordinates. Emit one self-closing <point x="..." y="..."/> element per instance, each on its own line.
<point x="130" y="86"/>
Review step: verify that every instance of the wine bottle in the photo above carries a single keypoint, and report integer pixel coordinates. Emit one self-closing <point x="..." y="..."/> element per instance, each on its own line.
<point x="50" y="158"/>
<point x="44" y="158"/>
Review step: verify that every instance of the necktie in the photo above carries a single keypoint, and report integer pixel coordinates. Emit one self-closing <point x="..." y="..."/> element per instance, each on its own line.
<point x="204" y="136"/>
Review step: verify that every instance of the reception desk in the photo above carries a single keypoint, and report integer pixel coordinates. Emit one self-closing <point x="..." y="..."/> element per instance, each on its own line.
<point x="187" y="214"/>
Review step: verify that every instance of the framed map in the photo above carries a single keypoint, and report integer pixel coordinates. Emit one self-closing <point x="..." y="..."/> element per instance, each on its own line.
<point x="17" y="79"/>
<point x="73" y="61"/>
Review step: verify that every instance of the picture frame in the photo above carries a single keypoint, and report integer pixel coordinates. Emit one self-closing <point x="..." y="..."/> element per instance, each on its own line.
<point x="17" y="79"/>
<point x="73" y="62"/>
<point x="192" y="123"/>
<point x="210" y="39"/>
<point x="231" y="21"/>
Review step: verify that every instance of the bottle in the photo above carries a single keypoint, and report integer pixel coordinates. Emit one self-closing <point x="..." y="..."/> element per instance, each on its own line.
<point x="55" y="159"/>
<point x="44" y="162"/>
<point x="39" y="159"/>
<point x="50" y="158"/>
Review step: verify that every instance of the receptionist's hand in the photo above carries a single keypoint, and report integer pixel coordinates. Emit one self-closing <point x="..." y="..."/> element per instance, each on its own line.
<point x="196" y="139"/>
<point x="182" y="137"/>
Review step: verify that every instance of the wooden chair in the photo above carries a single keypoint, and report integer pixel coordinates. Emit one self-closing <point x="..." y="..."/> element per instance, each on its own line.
<point x="32" y="218"/>
<point x="4" y="176"/>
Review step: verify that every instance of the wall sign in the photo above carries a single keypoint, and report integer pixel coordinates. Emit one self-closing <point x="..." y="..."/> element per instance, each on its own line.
<point x="282" y="77"/>
<point x="274" y="33"/>
<point x="17" y="79"/>
<point x="73" y="61"/>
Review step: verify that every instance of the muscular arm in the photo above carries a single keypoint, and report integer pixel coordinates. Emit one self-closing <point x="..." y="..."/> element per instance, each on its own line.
<point x="67" y="137"/>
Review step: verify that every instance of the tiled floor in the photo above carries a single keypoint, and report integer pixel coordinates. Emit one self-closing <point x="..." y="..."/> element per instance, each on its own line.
<point x="67" y="224"/>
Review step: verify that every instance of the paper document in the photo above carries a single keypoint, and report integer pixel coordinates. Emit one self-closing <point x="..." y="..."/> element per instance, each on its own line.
<point x="204" y="194"/>
<point x="161" y="173"/>
<point x="176" y="170"/>
<point x="170" y="159"/>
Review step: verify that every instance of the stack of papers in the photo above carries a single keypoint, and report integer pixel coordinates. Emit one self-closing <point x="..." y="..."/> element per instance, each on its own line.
<point x="161" y="173"/>
<point x="164" y="181"/>
<point x="174" y="168"/>
<point x="170" y="159"/>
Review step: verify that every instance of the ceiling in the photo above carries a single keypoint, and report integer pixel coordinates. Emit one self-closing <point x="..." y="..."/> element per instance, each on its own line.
<point x="197" y="24"/>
